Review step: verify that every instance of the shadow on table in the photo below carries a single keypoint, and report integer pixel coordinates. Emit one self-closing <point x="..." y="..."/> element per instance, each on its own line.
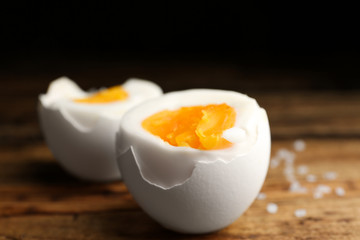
<point x="136" y="224"/>
<point x="33" y="171"/>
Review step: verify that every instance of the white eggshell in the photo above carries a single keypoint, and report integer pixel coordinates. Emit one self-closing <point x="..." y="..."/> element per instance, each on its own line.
<point x="189" y="190"/>
<point x="82" y="136"/>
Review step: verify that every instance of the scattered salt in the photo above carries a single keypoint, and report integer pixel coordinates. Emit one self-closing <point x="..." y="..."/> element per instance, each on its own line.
<point x="297" y="188"/>
<point x="323" y="189"/>
<point x="261" y="196"/>
<point x="289" y="160"/>
<point x="339" y="191"/>
<point x="320" y="190"/>
<point x="285" y="154"/>
<point x="330" y="175"/>
<point x="294" y="185"/>
<point x="299" y="145"/>
<point x="274" y="163"/>
<point x="272" y="208"/>
<point x="300" y="213"/>
<point x="317" y="195"/>
<point x="288" y="171"/>
<point x="311" y="178"/>
<point x="302" y="170"/>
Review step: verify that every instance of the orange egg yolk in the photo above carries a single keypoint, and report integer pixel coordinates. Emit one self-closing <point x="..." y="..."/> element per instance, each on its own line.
<point x="116" y="93"/>
<point x="199" y="127"/>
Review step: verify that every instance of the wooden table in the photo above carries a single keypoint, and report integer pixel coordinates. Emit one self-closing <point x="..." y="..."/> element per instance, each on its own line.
<point x="38" y="200"/>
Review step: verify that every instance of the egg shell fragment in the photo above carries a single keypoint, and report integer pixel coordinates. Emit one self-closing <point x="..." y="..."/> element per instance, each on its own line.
<point x="82" y="136"/>
<point x="189" y="190"/>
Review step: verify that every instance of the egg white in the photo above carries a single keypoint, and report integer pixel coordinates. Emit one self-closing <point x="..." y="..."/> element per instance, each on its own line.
<point x="62" y="92"/>
<point x="191" y="190"/>
<point x="82" y="136"/>
<point x="248" y="116"/>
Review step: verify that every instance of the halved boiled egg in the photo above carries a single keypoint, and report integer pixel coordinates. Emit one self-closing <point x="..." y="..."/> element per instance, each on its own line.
<point x="195" y="160"/>
<point x="79" y="127"/>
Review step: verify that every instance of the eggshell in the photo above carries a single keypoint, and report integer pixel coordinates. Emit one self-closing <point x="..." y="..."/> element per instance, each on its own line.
<point x="82" y="136"/>
<point x="189" y="190"/>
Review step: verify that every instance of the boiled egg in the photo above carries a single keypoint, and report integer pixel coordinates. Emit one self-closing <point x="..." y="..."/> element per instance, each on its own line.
<point x="195" y="160"/>
<point x="79" y="126"/>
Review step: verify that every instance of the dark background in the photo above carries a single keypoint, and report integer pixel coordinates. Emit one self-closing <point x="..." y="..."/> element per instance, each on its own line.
<point x="240" y="46"/>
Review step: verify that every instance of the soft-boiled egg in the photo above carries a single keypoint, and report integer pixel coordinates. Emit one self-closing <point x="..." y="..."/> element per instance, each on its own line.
<point x="195" y="160"/>
<point x="79" y="127"/>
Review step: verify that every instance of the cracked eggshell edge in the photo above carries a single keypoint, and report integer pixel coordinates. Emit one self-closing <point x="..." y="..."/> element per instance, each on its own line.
<point x="90" y="154"/>
<point x="167" y="166"/>
<point x="83" y="140"/>
<point x="213" y="197"/>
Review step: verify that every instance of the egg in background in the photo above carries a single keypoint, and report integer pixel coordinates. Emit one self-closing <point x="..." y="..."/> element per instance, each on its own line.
<point x="190" y="190"/>
<point x="81" y="135"/>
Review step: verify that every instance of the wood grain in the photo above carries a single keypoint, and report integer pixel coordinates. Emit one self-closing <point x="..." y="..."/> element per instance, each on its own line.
<point x="38" y="200"/>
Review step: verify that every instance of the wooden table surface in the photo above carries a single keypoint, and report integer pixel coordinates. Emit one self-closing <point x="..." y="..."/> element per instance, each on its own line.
<point x="38" y="200"/>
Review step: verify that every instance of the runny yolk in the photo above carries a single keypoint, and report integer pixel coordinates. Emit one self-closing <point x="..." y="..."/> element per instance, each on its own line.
<point x="111" y="94"/>
<point x="199" y="127"/>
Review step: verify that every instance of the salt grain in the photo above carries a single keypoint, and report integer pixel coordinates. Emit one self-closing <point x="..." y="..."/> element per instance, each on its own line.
<point x="299" y="145"/>
<point x="302" y="170"/>
<point x="274" y="163"/>
<point x="317" y="195"/>
<point x="296" y="187"/>
<point x="311" y="178"/>
<point x="285" y="154"/>
<point x="261" y="196"/>
<point x="339" y="191"/>
<point x="272" y="208"/>
<point x="320" y="190"/>
<point x="300" y="213"/>
<point x="323" y="189"/>
<point x="288" y="170"/>
<point x="290" y="157"/>
<point x="330" y="175"/>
